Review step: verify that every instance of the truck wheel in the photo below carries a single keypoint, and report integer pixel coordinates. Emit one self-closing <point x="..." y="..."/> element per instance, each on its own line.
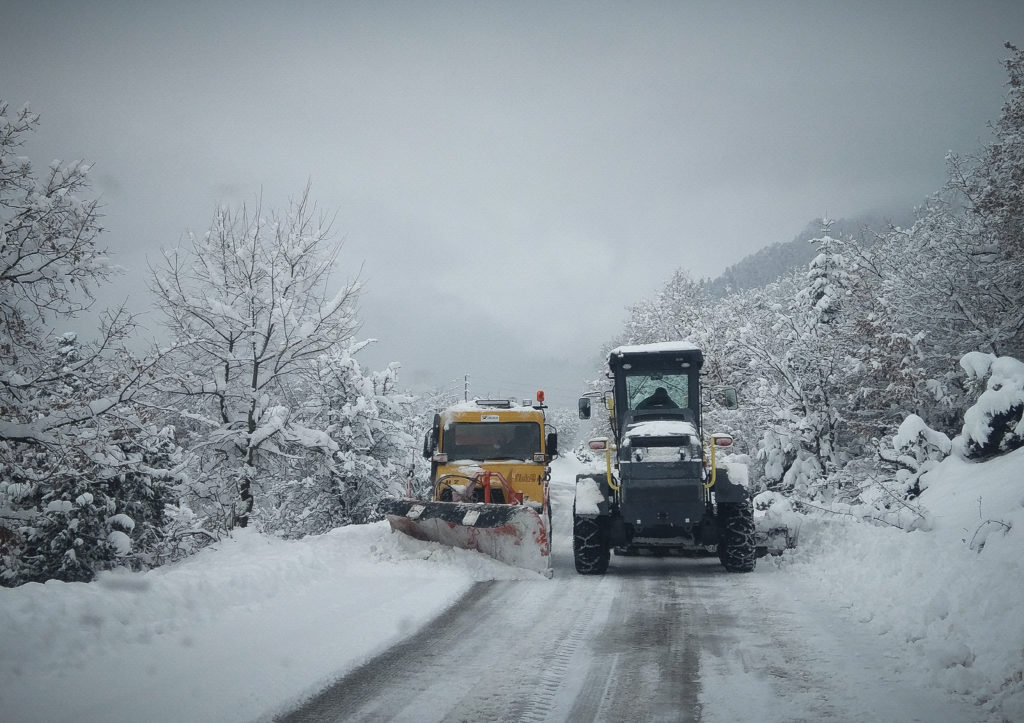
<point x="736" y="547"/>
<point x="589" y="545"/>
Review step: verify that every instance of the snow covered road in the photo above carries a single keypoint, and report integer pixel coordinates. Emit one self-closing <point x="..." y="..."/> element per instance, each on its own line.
<point x="862" y="623"/>
<point x="656" y="639"/>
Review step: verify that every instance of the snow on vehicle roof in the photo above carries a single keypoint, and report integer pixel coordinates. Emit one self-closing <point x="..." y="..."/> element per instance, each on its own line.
<point x="464" y="411"/>
<point x="657" y="347"/>
<point x="475" y="405"/>
<point x="661" y="428"/>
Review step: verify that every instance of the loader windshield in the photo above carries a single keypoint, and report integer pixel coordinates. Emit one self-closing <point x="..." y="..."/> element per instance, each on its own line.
<point x="656" y="390"/>
<point x="491" y="440"/>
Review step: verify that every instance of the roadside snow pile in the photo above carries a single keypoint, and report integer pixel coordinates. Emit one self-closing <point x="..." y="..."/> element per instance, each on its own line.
<point x="227" y="635"/>
<point x="951" y="595"/>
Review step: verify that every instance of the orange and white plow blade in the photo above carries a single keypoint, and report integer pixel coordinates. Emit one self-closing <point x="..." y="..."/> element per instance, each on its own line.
<point x="514" y="534"/>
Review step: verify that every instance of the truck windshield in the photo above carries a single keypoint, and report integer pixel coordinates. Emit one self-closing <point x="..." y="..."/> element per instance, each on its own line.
<point x="491" y="440"/>
<point x="655" y="390"/>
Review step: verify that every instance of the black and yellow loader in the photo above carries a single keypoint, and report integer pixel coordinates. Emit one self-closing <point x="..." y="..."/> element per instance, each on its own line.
<point x="666" y="487"/>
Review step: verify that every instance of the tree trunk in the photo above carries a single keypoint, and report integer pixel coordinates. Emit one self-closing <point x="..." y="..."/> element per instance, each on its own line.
<point x="246" y="498"/>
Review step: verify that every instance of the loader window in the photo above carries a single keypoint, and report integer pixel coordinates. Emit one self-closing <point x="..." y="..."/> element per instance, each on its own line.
<point x="654" y="390"/>
<point x="491" y="440"/>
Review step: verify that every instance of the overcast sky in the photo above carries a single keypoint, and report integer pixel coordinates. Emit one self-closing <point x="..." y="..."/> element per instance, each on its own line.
<point x="508" y="176"/>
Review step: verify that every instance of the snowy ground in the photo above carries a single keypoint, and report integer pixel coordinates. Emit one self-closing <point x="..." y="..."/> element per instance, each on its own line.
<point x="241" y="632"/>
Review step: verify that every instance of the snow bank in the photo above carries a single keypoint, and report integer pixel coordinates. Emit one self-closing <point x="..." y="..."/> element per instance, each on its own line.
<point x="227" y="635"/>
<point x="951" y="595"/>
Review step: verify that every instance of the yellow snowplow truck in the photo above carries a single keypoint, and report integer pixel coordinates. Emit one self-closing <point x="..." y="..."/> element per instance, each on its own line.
<point x="489" y="466"/>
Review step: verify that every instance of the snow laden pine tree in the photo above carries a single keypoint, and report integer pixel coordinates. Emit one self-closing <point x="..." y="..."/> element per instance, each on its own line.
<point x="994" y="425"/>
<point x="828" y="281"/>
<point x="83" y="479"/>
<point x="255" y="328"/>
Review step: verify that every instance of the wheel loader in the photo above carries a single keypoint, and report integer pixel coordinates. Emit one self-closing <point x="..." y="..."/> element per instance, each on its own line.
<point x="490" y="474"/>
<point x="665" y="488"/>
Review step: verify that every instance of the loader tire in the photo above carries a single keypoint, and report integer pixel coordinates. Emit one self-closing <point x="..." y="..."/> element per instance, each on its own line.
<point x="736" y="548"/>
<point x="589" y="545"/>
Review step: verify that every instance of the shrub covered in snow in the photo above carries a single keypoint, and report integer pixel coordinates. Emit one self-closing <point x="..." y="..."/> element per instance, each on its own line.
<point x="995" y="423"/>
<point x="919" y="449"/>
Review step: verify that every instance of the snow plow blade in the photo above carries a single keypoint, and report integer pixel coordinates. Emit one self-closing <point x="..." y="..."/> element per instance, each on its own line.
<point x="513" y="534"/>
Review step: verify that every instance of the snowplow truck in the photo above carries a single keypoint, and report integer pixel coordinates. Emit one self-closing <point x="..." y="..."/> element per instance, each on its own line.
<point x="662" y="490"/>
<point x="490" y="474"/>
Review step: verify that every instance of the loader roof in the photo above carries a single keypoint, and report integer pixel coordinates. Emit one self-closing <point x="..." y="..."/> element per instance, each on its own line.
<point x="660" y="354"/>
<point x="661" y="347"/>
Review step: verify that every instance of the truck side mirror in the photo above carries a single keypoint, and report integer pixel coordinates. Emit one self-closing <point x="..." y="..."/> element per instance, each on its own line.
<point x="730" y="400"/>
<point x="431" y="438"/>
<point x="551" y="444"/>
<point x="584" y="407"/>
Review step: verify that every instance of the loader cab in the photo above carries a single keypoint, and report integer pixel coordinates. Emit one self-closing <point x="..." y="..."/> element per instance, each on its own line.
<point x="656" y="382"/>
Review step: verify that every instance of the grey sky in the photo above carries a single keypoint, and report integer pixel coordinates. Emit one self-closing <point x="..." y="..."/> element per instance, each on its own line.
<point x="509" y="176"/>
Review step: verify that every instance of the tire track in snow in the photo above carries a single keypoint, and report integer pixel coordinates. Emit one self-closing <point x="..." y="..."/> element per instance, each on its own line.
<point x="562" y="679"/>
<point x="409" y="671"/>
<point x="505" y="652"/>
<point x="646" y="661"/>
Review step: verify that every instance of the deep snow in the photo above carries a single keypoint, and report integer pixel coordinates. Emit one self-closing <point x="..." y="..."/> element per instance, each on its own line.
<point x="247" y="628"/>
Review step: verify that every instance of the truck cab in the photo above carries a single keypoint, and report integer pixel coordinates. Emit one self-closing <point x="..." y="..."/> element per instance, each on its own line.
<point x="488" y="450"/>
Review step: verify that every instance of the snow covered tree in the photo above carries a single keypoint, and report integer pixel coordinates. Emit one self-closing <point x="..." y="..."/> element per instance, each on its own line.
<point x="369" y="452"/>
<point x="82" y="483"/>
<point x="790" y="348"/>
<point x="958" y="274"/>
<point x="677" y="311"/>
<point x="995" y="423"/>
<point x="995" y="183"/>
<point x="828" y="278"/>
<point x="251" y="316"/>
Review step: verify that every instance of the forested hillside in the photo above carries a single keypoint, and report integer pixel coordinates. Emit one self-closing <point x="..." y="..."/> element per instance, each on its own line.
<point x="782" y="258"/>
